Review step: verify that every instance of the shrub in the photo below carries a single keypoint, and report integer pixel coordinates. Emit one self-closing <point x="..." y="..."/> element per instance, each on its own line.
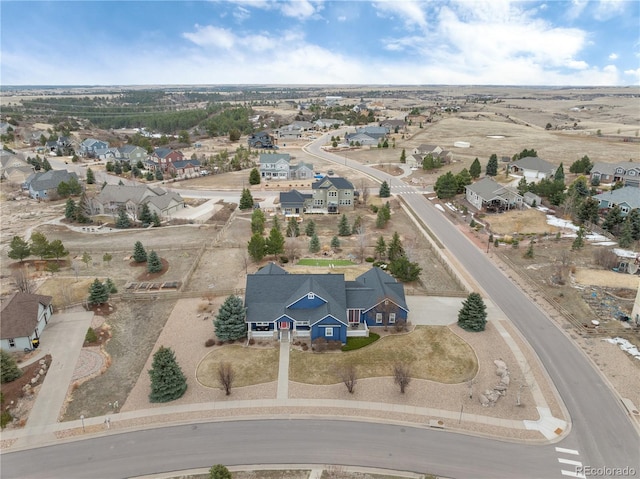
<point x="219" y="343"/>
<point x="5" y="418"/>
<point x="374" y="208"/>
<point x="252" y="342"/>
<point x="369" y="259"/>
<point x="209" y="342"/>
<point x="91" y="336"/>
<point x="284" y="259"/>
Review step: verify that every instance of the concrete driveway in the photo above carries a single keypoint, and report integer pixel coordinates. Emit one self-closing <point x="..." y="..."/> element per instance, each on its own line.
<point x="63" y="339"/>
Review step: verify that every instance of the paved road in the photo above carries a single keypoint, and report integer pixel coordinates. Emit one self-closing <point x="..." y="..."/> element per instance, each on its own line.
<point x="305" y="441"/>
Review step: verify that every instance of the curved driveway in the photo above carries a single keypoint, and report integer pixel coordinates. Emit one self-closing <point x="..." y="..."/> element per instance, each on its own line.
<point x="601" y="435"/>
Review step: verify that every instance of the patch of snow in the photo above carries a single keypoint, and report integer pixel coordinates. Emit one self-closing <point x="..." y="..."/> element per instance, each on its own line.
<point x="560" y="223"/>
<point x="605" y="243"/>
<point x="451" y="207"/>
<point x="440" y="207"/>
<point x="625" y="253"/>
<point x="626" y="346"/>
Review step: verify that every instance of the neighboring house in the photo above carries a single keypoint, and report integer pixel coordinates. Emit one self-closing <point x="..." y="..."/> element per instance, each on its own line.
<point x="532" y="168"/>
<point x="361" y="139"/>
<point x="17" y="174"/>
<point x="328" y="123"/>
<point x="489" y="195"/>
<point x="391" y="125"/>
<point x="303" y="125"/>
<point x="532" y="198"/>
<point x="331" y="193"/>
<point x="289" y="132"/>
<point x="132" y="154"/>
<point x="114" y="197"/>
<point x="276" y="166"/>
<point x="23" y="317"/>
<point x="424" y="150"/>
<point x="184" y="168"/>
<point x="294" y="203"/>
<point x="627" y="198"/>
<point x="377" y="132"/>
<point x="59" y="144"/>
<point x="417" y="119"/>
<point x="628" y="173"/>
<point x="415" y="161"/>
<point x="89" y="146"/>
<point x="162" y="157"/>
<point x="43" y="184"/>
<point x="283" y="306"/>
<point x="261" y="139"/>
<point x="360" y="108"/>
<point x="106" y="154"/>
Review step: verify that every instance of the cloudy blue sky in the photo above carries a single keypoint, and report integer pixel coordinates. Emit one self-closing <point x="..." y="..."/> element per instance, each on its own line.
<point x="478" y="42"/>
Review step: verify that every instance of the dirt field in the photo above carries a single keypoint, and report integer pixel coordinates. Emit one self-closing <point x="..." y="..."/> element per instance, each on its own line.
<point x="524" y="222"/>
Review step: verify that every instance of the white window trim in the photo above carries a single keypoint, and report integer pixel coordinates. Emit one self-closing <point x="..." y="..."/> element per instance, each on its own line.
<point x="392" y="318"/>
<point x="262" y="324"/>
<point x="328" y="332"/>
<point x="12" y="342"/>
<point x="311" y="296"/>
<point x="378" y="318"/>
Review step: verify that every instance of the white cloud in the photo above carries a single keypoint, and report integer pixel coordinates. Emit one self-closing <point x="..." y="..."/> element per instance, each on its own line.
<point x="410" y="11"/>
<point x="300" y="9"/>
<point x="607" y="9"/>
<point x="613" y="56"/>
<point x="634" y="74"/>
<point x="576" y="9"/>
<point x="211" y="36"/>
<point x="241" y="14"/>
<point x="342" y="18"/>
<point x="577" y="64"/>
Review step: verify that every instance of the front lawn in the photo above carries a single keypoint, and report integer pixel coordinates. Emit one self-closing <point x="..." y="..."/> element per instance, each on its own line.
<point x="433" y="352"/>
<point x="250" y="365"/>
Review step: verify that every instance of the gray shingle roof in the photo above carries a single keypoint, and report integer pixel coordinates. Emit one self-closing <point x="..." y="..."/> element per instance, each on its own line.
<point x="19" y="314"/>
<point x="338" y="182"/>
<point x="293" y="197"/>
<point x="628" y="194"/>
<point x="487" y="188"/>
<point x="50" y="180"/>
<point x="534" y="163"/>
<point x="274" y="157"/>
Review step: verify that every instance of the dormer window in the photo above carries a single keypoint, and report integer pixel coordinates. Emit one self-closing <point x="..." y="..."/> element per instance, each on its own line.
<point x="311" y="296"/>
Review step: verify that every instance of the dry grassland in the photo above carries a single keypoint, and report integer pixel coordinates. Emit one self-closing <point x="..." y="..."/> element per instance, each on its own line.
<point x="250" y="365"/>
<point x="528" y="221"/>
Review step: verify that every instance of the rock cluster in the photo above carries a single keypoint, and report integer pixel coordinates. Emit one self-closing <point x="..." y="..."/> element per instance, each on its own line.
<point x="491" y="396"/>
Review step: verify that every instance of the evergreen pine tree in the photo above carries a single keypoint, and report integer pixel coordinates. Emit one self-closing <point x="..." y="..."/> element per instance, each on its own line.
<point x="159" y="176"/>
<point x="145" y="214"/>
<point x="256" y="247"/>
<point x="335" y="242"/>
<point x="613" y="219"/>
<point x="403" y="156"/>
<point x="626" y="237"/>
<point x="91" y="179"/>
<point x="492" y="165"/>
<point x="139" y="253"/>
<point x="634" y="219"/>
<point x="314" y="244"/>
<point x="385" y="190"/>
<point x="229" y="322"/>
<point x="559" y="174"/>
<point x="246" y="200"/>
<point x="343" y="227"/>
<point x="293" y="229"/>
<point x="381" y="248"/>
<point x="154" y="264"/>
<point x="475" y="169"/>
<point x="219" y="472"/>
<point x="9" y="370"/>
<point x="463" y="179"/>
<point x="446" y="186"/>
<point x="395" y="249"/>
<point x="473" y="315"/>
<point x="70" y="209"/>
<point x="257" y="221"/>
<point x="578" y="243"/>
<point x="111" y="287"/>
<point x="357" y="225"/>
<point x="254" y="177"/>
<point x="310" y="229"/>
<point x="404" y="270"/>
<point x="19" y="249"/>
<point x="275" y="242"/>
<point x="155" y="219"/>
<point x="381" y="220"/>
<point x="98" y="293"/>
<point x="168" y="382"/>
<point x="46" y="166"/>
<point x="123" y="221"/>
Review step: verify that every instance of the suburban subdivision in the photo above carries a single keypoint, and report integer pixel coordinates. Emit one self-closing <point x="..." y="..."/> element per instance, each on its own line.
<point x="419" y="280"/>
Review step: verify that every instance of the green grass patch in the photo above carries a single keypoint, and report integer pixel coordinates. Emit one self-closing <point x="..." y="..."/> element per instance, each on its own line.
<point x="324" y="262"/>
<point x="357" y="343"/>
<point x="433" y="352"/>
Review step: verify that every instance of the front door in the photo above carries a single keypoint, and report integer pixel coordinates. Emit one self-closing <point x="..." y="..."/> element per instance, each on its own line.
<point x="284" y="331"/>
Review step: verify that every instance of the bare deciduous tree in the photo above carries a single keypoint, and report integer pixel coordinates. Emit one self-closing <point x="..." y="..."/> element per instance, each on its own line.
<point x="22" y="281"/>
<point x="292" y="248"/>
<point x="349" y="377"/>
<point x="226" y="376"/>
<point x="401" y="376"/>
<point x="362" y="242"/>
<point x="364" y="194"/>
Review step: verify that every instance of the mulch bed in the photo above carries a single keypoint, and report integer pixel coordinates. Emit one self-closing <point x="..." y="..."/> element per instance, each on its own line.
<point x="146" y="276"/>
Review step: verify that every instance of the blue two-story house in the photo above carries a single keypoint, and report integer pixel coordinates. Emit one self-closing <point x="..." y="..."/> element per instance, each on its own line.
<point x="284" y="306"/>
